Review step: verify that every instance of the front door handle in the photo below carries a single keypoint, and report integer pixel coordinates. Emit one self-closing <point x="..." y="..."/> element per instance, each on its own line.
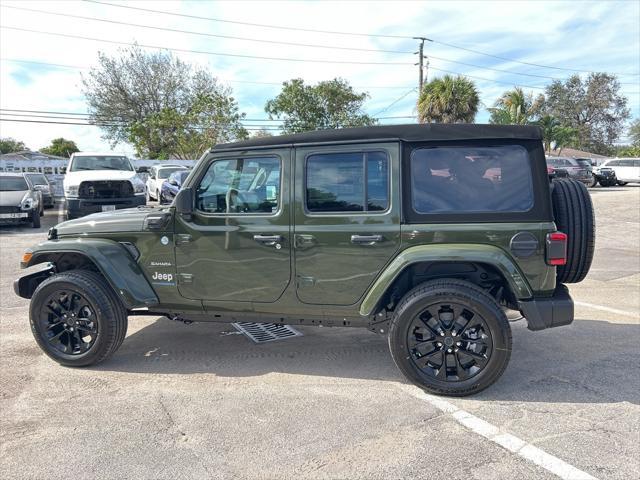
<point x="269" y="240"/>
<point x="366" y="239"/>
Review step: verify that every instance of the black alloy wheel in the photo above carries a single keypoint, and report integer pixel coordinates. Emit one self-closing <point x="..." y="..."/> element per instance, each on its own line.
<point x="450" y="342"/>
<point x="76" y="318"/>
<point x="450" y="337"/>
<point x="69" y="322"/>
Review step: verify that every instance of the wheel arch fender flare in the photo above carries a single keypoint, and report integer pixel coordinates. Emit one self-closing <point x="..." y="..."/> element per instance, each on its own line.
<point x="111" y="259"/>
<point x="450" y="253"/>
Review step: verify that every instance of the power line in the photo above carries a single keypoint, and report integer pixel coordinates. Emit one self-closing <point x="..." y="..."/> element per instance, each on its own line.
<point x="77" y="67"/>
<point x="394" y="102"/>
<point x="333" y="32"/>
<point x="83" y="114"/>
<point x="237" y="55"/>
<point x="190" y="32"/>
<point x="105" y="124"/>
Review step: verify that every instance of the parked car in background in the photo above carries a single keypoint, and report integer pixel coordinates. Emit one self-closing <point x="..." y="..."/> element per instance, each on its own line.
<point x="40" y="182"/>
<point x="101" y="182"/>
<point x="556" y="173"/>
<point x="626" y="169"/>
<point x="157" y="175"/>
<point x="19" y="200"/>
<point x="580" y="171"/>
<point x="171" y="186"/>
<point x="603" y="175"/>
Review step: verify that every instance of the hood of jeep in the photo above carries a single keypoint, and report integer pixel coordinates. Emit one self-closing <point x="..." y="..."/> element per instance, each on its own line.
<point x="117" y="221"/>
<point x="75" y="178"/>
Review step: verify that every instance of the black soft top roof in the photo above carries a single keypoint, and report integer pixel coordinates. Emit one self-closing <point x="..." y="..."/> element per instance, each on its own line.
<point x="408" y="133"/>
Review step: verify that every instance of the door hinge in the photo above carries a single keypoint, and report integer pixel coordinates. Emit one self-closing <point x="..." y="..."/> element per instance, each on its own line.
<point x="185" y="278"/>
<point x="183" y="238"/>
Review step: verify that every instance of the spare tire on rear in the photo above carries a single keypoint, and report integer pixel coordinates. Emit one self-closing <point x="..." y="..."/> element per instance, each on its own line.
<point x="573" y="213"/>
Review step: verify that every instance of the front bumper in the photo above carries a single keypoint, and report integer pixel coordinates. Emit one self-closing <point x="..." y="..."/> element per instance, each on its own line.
<point x="78" y="207"/>
<point x="554" y="311"/>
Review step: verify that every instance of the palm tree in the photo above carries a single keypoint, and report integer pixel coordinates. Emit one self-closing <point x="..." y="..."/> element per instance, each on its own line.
<point x="516" y="107"/>
<point x="553" y="132"/>
<point x="448" y="100"/>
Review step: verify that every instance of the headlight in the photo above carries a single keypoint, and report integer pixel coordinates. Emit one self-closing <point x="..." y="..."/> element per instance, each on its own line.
<point x="28" y="202"/>
<point x="43" y="188"/>
<point x="71" y="191"/>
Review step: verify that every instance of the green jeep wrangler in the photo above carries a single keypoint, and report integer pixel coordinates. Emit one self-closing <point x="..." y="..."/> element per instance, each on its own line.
<point x="425" y="233"/>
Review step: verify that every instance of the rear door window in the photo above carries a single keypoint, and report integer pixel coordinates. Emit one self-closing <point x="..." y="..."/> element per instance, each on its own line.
<point x="347" y="182"/>
<point x="451" y="180"/>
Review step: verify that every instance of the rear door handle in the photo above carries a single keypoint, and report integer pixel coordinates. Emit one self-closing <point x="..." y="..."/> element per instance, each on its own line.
<point x="268" y="239"/>
<point x="366" y="239"/>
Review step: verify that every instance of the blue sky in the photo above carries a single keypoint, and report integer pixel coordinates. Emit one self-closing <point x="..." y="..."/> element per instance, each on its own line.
<point x="586" y="36"/>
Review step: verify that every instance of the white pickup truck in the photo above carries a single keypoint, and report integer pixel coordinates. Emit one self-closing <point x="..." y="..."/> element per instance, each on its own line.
<point x="100" y="182"/>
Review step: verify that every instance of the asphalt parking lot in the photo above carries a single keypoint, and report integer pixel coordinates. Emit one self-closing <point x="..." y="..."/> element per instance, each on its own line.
<point x="202" y="401"/>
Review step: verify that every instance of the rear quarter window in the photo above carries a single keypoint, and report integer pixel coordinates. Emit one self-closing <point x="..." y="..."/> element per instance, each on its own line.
<point x="459" y="180"/>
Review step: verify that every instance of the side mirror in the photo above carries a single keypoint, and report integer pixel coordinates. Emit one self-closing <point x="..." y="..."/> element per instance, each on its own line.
<point x="184" y="202"/>
<point x="142" y="170"/>
<point x="173" y="182"/>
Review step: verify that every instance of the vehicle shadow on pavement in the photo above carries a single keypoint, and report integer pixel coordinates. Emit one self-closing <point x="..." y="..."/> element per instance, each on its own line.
<point x="586" y="362"/>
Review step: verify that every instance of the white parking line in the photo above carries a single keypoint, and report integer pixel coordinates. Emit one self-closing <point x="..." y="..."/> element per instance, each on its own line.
<point x="510" y="442"/>
<point x="61" y="212"/>
<point x="608" y="309"/>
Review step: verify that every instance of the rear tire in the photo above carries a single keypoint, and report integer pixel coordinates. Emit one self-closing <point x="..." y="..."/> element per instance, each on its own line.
<point x="594" y="182"/>
<point x="77" y="319"/>
<point x="573" y="213"/>
<point x="450" y="337"/>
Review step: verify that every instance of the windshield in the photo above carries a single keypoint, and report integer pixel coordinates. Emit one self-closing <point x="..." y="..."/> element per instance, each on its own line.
<point x="37" y="179"/>
<point x="101" y="162"/>
<point x="13" y="184"/>
<point x="165" y="172"/>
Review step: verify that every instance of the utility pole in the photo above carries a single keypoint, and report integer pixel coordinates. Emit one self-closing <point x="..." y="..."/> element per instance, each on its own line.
<point x="420" y="63"/>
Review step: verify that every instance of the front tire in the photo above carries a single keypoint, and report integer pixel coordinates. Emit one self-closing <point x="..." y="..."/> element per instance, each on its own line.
<point x="594" y="182"/>
<point x="35" y="219"/>
<point x="76" y="318"/>
<point x="450" y="337"/>
<point x="622" y="184"/>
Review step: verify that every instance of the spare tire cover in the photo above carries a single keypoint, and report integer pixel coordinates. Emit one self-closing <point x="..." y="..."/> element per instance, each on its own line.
<point x="573" y="213"/>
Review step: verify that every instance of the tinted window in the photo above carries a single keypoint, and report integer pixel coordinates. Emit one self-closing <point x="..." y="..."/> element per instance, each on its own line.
<point x="240" y="186"/>
<point x="165" y="172"/>
<point x="37" y="179"/>
<point x="13" y="184"/>
<point x="101" y="162"/>
<point x="625" y="163"/>
<point x="347" y="182"/>
<point x="583" y="162"/>
<point x="467" y="179"/>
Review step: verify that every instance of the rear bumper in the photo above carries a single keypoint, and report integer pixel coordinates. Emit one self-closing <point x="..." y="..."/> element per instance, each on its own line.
<point x="549" y="312"/>
<point x="78" y="207"/>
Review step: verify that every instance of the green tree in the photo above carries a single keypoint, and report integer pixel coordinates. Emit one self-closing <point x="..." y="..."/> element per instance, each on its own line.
<point x="61" y="147"/>
<point x="515" y="107"/>
<point x="163" y="106"/>
<point x="628" y="151"/>
<point x="10" y="145"/>
<point x="261" y="133"/>
<point x="329" y="104"/>
<point x="555" y="135"/>
<point x="634" y="132"/>
<point x="448" y="99"/>
<point x="593" y="107"/>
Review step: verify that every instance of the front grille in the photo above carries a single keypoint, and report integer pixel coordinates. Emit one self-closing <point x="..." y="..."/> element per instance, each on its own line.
<point x="4" y="209"/>
<point x="105" y="189"/>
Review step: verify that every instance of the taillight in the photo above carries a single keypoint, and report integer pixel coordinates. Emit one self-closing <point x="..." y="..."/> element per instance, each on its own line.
<point x="556" y="248"/>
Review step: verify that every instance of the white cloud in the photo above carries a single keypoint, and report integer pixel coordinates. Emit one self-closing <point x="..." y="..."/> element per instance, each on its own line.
<point x="581" y="35"/>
